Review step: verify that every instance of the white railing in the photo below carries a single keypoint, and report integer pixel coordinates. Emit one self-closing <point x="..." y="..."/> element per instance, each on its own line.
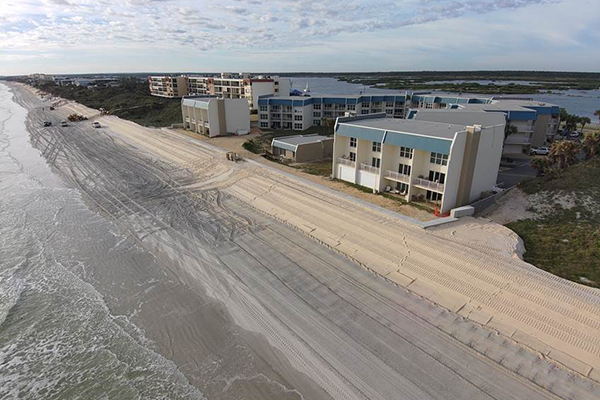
<point x="346" y="161"/>
<point x="396" y="176"/>
<point x="368" y="168"/>
<point x="426" y="184"/>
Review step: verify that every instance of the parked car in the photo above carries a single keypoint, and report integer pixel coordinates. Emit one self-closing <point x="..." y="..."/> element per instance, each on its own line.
<point x="47" y="123"/>
<point x="574" y="135"/>
<point x="96" y="124"/>
<point x="539" y="151"/>
<point x="64" y="123"/>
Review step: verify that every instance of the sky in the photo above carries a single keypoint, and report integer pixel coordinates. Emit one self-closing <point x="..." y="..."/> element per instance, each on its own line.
<point x="104" y="36"/>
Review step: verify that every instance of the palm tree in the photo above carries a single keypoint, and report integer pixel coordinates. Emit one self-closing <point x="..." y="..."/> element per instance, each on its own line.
<point x="509" y="130"/>
<point x="583" y="121"/>
<point x="597" y="114"/>
<point x="542" y="165"/>
<point x="591" y="144"/>
<point x="564" y="153"/>
<point x="571" y="123"/>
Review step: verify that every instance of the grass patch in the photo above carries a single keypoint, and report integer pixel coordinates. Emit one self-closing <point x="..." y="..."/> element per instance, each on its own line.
<point x="386" y="195"/>
<point x="252" y="146"/>
<point x="582" y="178"/>
<point x="355" y="186"/>
<point x="563" y="246"/>
<point x="319" y="168"/>
<point x="412" y="204"/>
<point x="131" y="101"/>
<point x="567" y="242"/>
<point x="262" y="144"/>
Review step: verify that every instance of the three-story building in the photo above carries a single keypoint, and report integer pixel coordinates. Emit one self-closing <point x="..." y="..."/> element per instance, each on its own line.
<point x="448" y="164"/>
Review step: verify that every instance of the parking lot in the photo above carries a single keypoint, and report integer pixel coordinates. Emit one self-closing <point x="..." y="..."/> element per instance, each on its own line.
<point x="510" y="175"/>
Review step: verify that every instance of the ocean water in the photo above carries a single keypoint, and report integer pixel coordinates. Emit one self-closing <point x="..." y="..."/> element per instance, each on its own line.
<point x="58" y="338"/>
<point x="580" y="102"/>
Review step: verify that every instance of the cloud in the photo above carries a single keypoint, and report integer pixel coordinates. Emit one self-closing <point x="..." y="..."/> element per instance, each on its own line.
<point x="162" y="28"/>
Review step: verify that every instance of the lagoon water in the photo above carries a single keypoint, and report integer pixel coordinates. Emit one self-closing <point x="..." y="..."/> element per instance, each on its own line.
<point x="580" y="102"/>
<point x="58" y="338"/>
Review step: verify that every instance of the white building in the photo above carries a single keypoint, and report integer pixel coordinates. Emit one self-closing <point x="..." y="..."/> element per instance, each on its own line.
<point x="300" y="113"/>
<point x="449" y="164"/>
<point x="536" y="122"/>
<point x="227" y="86"/>
<point x="212" y="116"/>
<point x="168" y="86"/>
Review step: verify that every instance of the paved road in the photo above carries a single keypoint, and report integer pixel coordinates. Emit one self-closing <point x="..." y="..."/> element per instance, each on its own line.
<point x="521" y="171"/>
<point x="352" y="333"/>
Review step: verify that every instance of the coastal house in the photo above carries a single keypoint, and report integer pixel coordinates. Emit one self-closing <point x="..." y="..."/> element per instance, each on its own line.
<point x="300" y="113"/>
<point x="212" y="116"/>
<point x="226" y="86"/>
<point x="450" y="164"/>
<point x="168" y="86"/>
<point x="536" y="122"/>
<point x="303" y="148"/>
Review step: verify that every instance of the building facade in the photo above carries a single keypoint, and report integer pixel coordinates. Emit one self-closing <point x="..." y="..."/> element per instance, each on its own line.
<point x="212" y="116"/>
<point x="168" y="86"/>
<point x="536" y="122"/>
<point x="227" y="86"/>
<point x="448" y="164"/>
<point x="303" y="148"/>
<point x="300" y="113"/>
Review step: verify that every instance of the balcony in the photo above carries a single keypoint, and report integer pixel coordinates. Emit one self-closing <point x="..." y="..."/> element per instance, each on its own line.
<point x="346" y="161"/>
<point x="368" y="168"/>
<point x="429" y="185"/>
<point x="396" y="176"/>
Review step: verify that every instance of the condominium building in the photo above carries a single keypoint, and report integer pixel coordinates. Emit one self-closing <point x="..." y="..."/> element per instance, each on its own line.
<point x="227" y="86"/>
<point x="300" y="113"/>
<point x="536" y="122"/>
<point x="450" y="164"/>
<point x="168" y="86"/>
<point x="212" y="116"/>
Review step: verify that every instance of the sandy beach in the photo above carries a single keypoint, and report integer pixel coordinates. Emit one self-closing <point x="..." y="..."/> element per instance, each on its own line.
<point x="327" y="296"/>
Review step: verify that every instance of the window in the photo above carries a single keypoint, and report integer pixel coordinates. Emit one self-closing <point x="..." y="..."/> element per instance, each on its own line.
<point x="433" y="196"/>
<point x="439" y="158"/>
<point x="297" y="126"/>
<point x="404" y="169"/>
<point x="389" y="104"/>
<point x="351" y="107"/>
<point x="297" y="117"/>
<point x="377" y="147"/>
<point x="316" y="115"/>
<point x="264" y="116"/>
<point x="352" y="157"/>
<point x="375" y="162"/>
<point x="364" y="111"/>
<point x="317" y="122"/>
<point x="389" y="112"/>
<point x="316" y="106"/>
<point x="439" y="177"/>
<point x="352" y="142"/>
<point x="264" y="124"/>
<point x="406" y="152"/>
<point x="402" y="187"/>
<point x="364" y="105"/>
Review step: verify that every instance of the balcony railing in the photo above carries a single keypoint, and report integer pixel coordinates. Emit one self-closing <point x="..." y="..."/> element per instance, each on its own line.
<point x="426" y="184"/>
<point x="368" y="168"/>
<point x="346" y="161"/>
<point x="396" y="176"/>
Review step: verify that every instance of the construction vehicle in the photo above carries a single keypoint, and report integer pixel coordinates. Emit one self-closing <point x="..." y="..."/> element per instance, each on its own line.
<point x="232" y="156"/>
